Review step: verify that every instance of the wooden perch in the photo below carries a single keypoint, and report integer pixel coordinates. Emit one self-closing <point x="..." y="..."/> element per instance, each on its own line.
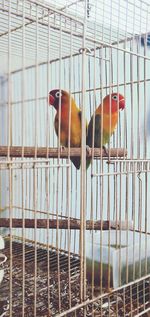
<point x="43" y="152"/>
<point x="63" y="224"/>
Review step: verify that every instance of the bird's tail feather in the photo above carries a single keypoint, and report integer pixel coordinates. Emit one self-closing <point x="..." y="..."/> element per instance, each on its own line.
<point x="88" y="162"/>
<point x="77" y="162"/>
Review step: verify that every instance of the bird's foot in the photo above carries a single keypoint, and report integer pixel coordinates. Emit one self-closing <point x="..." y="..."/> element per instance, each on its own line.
<point x="105" y="150"/>
<point x="62" y="148"/>
<point x="88" y="150"/>
<point x="107" y="154"/>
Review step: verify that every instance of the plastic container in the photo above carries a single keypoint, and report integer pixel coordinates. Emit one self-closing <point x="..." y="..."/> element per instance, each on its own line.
<point x="123" y="256"/>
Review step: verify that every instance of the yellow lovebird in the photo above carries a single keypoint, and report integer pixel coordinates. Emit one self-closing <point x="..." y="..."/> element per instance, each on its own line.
<point x="62" y="99"/>
<point x="106" y="120"/>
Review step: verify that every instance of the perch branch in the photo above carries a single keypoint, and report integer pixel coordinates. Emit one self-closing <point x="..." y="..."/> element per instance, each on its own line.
<point x="63" y="224"/>
<point x="43" y="152"/>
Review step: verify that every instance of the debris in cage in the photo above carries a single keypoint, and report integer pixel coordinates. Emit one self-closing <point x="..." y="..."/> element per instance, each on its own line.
<point x="124" y="257"/>
<point x="119" y="303"/>
<point x="41" y="281"/>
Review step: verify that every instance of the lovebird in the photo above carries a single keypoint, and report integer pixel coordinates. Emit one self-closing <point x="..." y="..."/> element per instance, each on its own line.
<point x="111" y="106"/>
<point x="75" y="121"/>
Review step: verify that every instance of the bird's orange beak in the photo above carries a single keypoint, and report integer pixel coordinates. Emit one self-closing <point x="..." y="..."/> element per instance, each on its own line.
<point x="51" y="100"/>
<point x="122" y="104"/>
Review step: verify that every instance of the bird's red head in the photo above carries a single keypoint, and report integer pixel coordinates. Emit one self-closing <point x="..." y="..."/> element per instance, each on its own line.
<point x="114" y="101"/>
<point x="58" y="97"/>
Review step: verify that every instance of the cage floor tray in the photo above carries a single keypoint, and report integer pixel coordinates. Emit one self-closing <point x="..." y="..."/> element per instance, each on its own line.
<point x="117" y="303"/>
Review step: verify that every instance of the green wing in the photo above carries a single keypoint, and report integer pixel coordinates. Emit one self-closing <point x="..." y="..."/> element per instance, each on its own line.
<point x="80" y="116"/>
<point x="97" y="135"/>
<point x="97" y="132"/>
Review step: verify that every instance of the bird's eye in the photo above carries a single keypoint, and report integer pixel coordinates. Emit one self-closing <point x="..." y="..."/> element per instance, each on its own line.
<point x="115" y="97"/>
<point x="58" y="94"/>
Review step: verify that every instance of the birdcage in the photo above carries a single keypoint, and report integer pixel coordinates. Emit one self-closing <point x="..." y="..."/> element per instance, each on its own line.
<point x="76" y="236"/>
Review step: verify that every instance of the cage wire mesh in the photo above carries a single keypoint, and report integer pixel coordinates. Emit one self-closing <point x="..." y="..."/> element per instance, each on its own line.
<point x="76" y="241"/>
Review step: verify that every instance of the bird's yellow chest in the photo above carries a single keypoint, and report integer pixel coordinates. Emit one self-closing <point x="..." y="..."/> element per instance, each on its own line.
<point x="110" y="121"/>
<point x="75" y="128"/>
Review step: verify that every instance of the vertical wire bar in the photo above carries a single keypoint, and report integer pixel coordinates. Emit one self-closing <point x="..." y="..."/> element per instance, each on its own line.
<point x="93" y="132"/>
<point x="40" y="177"/>
<point x="145" y="89"/>
<point x="140" y="222"/>
<point x="126" y="218"/>
<point x="78" y="179"/>
<point x="11" y="254"/>
<point x="125" y="65"/>
<point x="140" y="181"/>
<point x="120" y="219"/>
<point x="65" y="79"/>
<point x="34" y="170"/>
<point x="132" y="86"/>
<point x="124" y="302"/>
<point x="68" y="168"/>
<point x="137" y="290"/>
<point x="133" y="217"/>
<point x="97" y="164"/>
<point x="23" y="174"/>
<point x="132" y="143"/>
<point x="101" y="160"/>
<point x="95" y="187"/>
<point x="117" y="217"/>
<point x="138" y="150"/>
<point x="58" y="170"/>
<point x="124" y="143"/>
<point x="126" y="203"/>
<point x="8" y="154"/>
<point x="131" y="305"/>
<point x="117" y="141"/>
<point x="53" y="161"/>
<point x="93" y="216"/>
<point x="110" y="123"/>
<point x="118" y="71"/>
<point x="138" y="94"/>
<point x="93" y="137"/>
<point x="83" y="172"/>
<point x="62" y="189"/>
<point x="47" y="170"/>
<point x="117" y="304"/>
<point x="146" y="227"/>
<point x="145" y="154"/>
<point x="35" y="238"/>
<point x="92" y="179"/>
<point x="75" y="194"/>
